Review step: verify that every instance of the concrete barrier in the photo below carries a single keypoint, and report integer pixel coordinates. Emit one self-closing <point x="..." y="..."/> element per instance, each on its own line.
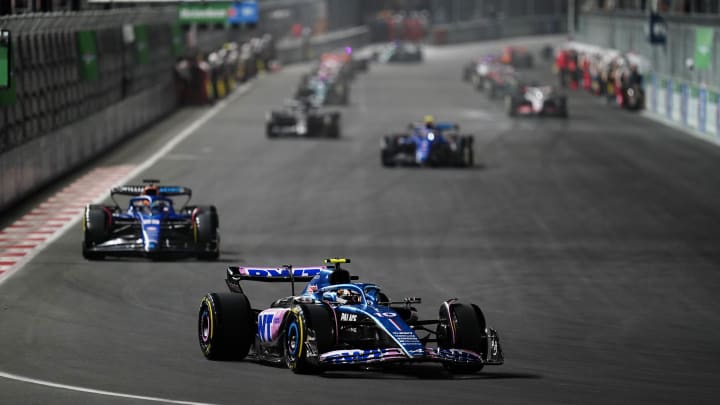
<point x="31" y="166"/>
<point x="302" y="50"/>
<point x="486" y="29"/>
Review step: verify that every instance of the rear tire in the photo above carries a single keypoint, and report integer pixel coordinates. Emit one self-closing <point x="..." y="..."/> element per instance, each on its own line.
<point x="226" y="327"/>
<point x="269" y="130"/>
<point x="468" y="151"/>
<point x="207" y="238"/>
<point x="510" y="106"/>
<point x="386" y="152"/>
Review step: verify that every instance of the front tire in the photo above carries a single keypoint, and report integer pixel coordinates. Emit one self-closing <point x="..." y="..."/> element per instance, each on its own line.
<point x="307" y="327"/>
<point x="462" y="328"/>
<point x="95" y="230"/>
<point x="225" y="326"/>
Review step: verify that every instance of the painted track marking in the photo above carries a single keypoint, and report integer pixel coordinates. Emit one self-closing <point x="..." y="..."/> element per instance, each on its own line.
<point x="94" y="391"/>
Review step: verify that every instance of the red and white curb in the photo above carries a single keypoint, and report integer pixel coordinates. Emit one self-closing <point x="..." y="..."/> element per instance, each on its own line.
<point x="22" y="239"/>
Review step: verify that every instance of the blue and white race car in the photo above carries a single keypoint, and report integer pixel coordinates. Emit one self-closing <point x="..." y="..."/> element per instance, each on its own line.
<point x="335" y="322"/>
<point x="151" y="226"/>
<point x="428" y="144"/>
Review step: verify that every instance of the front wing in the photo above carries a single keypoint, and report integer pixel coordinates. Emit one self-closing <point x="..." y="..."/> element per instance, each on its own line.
<point x="493" y="357"/>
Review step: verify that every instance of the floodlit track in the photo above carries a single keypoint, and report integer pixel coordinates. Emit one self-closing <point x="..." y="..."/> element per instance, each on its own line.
<point x="592" y="244"/>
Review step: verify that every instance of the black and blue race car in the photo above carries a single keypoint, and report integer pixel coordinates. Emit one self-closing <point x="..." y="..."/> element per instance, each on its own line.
<point x="336" y="322"/>
<point x="439" y="144"/>
<point x="151" y="225"/>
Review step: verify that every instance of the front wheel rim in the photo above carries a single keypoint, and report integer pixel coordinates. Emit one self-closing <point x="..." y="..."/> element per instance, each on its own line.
<point x="205" y="327"/>
<point x="293" y="341"/>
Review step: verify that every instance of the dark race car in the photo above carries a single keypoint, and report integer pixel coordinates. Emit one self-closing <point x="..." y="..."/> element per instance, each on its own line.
<point x="300" y="118"/>
<point x="324" y="89"/>
<point x="500" y="80"/>
<point x="335" y="323"/>
<point x="536" y="100"/>
<point x="439" y="145"/>
<point x="401" y="52"/>
<point x="151" y="226"/>
<point x="477" y="70"/>
<point x="517" y="56"/>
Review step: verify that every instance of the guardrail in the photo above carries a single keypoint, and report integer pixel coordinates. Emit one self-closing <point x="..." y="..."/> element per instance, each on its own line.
<point x="302" y="50"/>
<point x="486" y="29"/>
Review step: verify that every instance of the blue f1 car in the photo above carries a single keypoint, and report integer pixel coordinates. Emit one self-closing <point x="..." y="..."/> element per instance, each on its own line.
<point x="151" y="226"/>
<point x="337" y="323"/>
<point x="428" y="145"/>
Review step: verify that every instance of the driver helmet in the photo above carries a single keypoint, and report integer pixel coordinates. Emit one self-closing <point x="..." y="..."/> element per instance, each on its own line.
<point x="159" y="206"/>
<point x="429" y="122"/>
<point x="151" y="190"/>
<point x="345" y="295"/>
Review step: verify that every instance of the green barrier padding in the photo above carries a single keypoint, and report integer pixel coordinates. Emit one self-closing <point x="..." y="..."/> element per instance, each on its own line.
<point x="87" y="47"/>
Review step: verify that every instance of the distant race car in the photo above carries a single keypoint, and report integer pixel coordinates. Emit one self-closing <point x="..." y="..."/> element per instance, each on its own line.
<point x="400" y="52"/>
<point x="322" y="90"/>
<point x="536" y="100"/>
<point x="477" y="70"/>
<point x="300" y="118"/>
<point x="517" y="56"/>
<point x="151" y="226"/>
<point x="499" y="81"/>
<point x="440" y="145"/>
<point x="337" y="323"/>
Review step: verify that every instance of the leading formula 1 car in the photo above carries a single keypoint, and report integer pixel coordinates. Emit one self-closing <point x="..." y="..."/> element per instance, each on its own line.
<point x="301" y="118"/>
<point x="440" y="144"/>
<point x="151" y="226"/>
<point x="536" y="100"/>
<point x="335" y="322"/>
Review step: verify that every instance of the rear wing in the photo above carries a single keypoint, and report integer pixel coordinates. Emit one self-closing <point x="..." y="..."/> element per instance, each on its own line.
<point x="136" y="190"/>
<point x="285" y="274"/>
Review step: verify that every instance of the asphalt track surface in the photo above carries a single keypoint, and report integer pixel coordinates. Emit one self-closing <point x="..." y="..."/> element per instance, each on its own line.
<point x="591" y="244"/>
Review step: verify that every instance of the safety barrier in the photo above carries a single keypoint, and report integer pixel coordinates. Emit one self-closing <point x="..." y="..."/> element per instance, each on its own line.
<point x="301" y="50"/>
<point x="675" y="91"/>
<point x="80" y="87"/>
<point x="33" y="164"/>
<point x="486" y="29"/>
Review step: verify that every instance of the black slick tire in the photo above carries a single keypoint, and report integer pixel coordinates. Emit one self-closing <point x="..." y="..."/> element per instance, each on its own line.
<point x="307" y="325"/>
<point x="468" y="324"/>
<point x="95" y="230"/>
<point x="205" y="229"/>
<point x="225" y="326"/>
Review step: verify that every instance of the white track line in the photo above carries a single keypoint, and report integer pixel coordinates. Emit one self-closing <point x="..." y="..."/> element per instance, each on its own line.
<point x="96" y="392"/>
